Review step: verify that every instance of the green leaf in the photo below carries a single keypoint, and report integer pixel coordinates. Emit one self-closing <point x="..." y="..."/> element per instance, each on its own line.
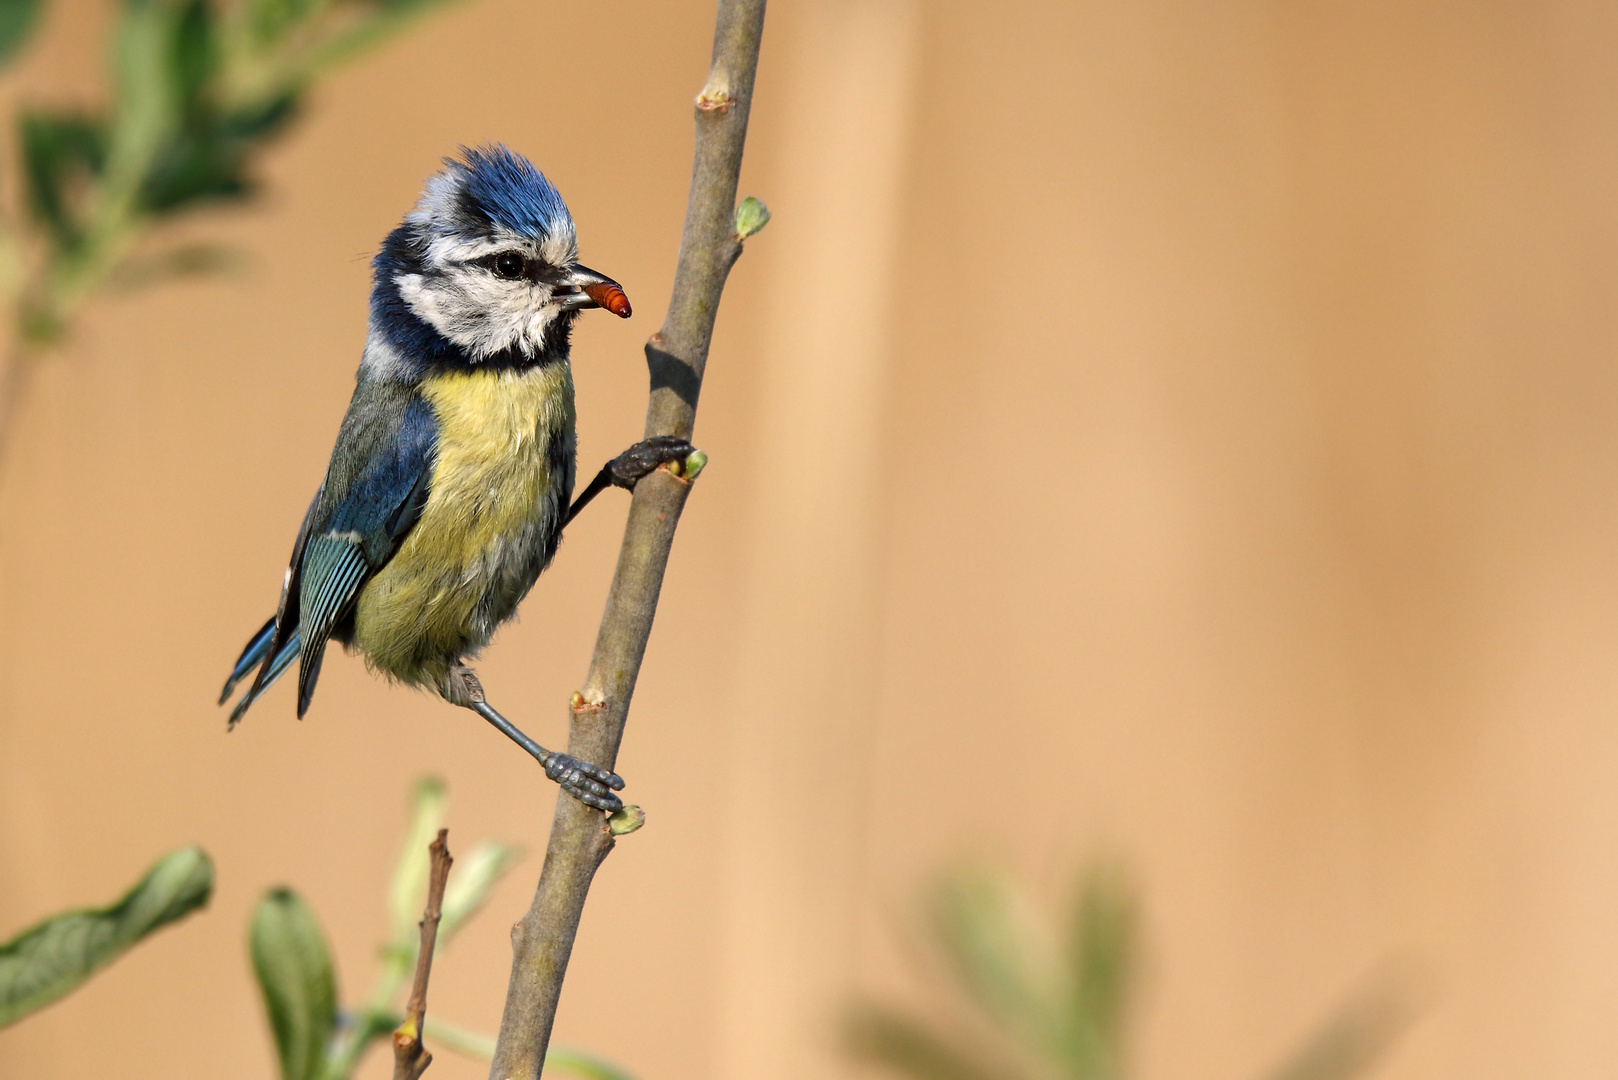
<point x="207" y="157"/>
<point x="47" y="961"/>
<point x="61" y="156"/>
<point x="888" y="1038"/>
<point x="17" y="19"/>
<point x="1361" y="1030"/>
<point x="147" y="109"/>
<point x="579" y="1063"/>
<point x="1101" y="957"/>
<point x="476" y="874"/>
<point x="204" y="152"/>
<point x="269" y="20"/>
<point x="193" y="54"/>
<point x="984" y="934"/>
<point x="295" y="975"/>
<point x="559" y="1059"/>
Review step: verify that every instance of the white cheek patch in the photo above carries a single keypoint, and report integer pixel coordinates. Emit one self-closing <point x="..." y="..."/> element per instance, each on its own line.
<point x="479" y="312"/>
<point x="468" y="305"/>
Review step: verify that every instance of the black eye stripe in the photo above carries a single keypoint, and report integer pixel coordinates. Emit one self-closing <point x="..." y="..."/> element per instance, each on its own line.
<point x="515" y="266"/>
<point x="507" y="265"/>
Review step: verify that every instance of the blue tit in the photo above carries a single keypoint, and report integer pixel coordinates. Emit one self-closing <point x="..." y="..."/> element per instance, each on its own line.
<point x="449" y="486"/>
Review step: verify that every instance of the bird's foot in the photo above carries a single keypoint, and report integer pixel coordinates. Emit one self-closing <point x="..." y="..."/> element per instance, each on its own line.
<point x="627" y="468"/>
<point x="590" y="784"/>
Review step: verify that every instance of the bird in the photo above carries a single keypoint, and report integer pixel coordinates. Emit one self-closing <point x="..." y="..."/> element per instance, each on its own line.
<point x="453" y="470"/>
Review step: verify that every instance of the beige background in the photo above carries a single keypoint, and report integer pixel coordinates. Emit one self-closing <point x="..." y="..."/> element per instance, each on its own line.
<point x="1187" y="431"/>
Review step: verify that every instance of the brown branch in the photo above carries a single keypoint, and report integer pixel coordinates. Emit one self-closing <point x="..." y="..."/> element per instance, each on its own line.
<point x="676" y="355"/>
<point x="410" y="1058"/>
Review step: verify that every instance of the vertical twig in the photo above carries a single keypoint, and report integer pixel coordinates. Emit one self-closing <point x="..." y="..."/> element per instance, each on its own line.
<point x="410" y="1058"/>
<point x="676" y="355"/>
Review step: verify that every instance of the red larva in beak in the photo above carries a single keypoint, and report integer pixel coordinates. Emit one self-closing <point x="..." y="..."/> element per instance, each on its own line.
<point x="609" y="296"/>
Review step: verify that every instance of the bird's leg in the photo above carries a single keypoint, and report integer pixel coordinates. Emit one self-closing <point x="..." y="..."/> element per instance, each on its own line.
<point x="627" y="468"/>
<point x="590" y="784"/>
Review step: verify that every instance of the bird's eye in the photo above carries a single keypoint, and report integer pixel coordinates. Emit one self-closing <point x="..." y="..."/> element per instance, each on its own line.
<point x="507" y="264"/>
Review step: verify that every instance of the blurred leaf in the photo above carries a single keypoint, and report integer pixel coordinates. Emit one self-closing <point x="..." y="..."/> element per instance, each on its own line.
<point x="61" y="154"/>
<point x="207" y="158"/>
<point x="295" y="975"/>
<point x="263" y="118"/>
<point x="1060" y="999"/>
<point x="579" y="1063"/>
<point x="888" y="1038"/>
<point x="1100" y="951"/>
<point x="193" y="54"/>
<point x="147" y="108"/>
<point x="188" y="260"/>
<point x="269" y="20"/>
<point x="1071" y="1021"/>
<point x="476" y="875"/>
<point x="427" y="801"/>
<point x="17" y="19"/>
<point x="1359" y="1033"/>
<point x="560" y="1059"/>
<point x="984" y="934"/>
<point x="47" y="961"/>
<point x="204" y="154"/>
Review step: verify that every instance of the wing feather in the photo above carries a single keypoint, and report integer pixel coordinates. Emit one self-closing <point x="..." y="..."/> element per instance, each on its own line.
<point x="373" y="495"/>
<point x="333" y="567"/>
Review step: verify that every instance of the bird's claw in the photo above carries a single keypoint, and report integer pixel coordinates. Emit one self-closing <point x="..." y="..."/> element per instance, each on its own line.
<point x="590" y="784"/>
<point x="645" y="456"/>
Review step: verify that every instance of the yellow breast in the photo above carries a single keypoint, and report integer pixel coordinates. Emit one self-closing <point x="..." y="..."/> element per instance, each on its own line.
<point x="499" y="488"/>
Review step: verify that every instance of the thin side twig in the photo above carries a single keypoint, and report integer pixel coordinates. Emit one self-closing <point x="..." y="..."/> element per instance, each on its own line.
<point x="676" y="355"/>
<point x="410" y="1057"/>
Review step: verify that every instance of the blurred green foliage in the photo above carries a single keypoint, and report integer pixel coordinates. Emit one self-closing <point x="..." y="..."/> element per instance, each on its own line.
<point x="53" y="958"/>
<point x="199" y="89"/>
<point x="16" y="22"/>
<point x="314" y="1038"/>
<point x="1042" y="998"/>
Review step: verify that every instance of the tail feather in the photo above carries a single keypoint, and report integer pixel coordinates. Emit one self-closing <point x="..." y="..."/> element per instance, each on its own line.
<point x="251" y="657"/>
<point x="275" y="669"/>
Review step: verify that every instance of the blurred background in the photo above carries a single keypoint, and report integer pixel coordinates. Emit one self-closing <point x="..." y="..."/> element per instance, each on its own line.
<point x="1177" y="432"/>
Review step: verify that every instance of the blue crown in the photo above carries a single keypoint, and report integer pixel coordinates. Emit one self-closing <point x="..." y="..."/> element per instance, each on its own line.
<point x="510" y="192"/>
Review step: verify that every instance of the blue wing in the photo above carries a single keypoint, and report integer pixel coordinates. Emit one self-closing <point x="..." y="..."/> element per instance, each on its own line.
<point x="375" y="488"/>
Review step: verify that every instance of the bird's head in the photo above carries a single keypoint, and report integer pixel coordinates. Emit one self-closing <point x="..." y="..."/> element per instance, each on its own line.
<point x="485" y="269"/>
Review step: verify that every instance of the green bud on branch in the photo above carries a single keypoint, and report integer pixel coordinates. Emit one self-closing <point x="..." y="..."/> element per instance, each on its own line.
<point x="751" y="216"/>
<point x="626" y="821"/>
<point x="695" y="462"/>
